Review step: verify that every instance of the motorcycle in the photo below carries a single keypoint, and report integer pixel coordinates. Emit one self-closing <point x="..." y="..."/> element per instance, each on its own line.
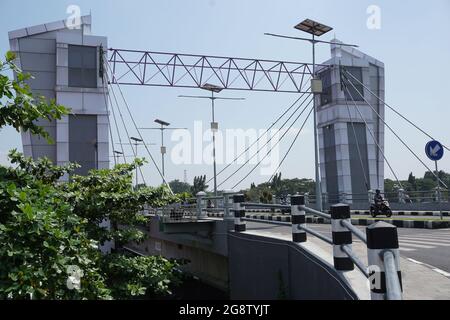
<point x="382" y="208"/>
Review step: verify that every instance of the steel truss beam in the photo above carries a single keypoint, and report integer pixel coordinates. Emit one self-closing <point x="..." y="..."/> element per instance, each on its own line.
<point x="133" y="67"/>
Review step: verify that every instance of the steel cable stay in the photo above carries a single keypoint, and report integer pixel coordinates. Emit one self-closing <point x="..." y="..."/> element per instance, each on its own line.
<point x="117" y="130"/>
<point x="139" y="133"/>
<point x="270" y="150"/>
<point x="270" y="139"/>
<point x="109" y="123"/>
<point x="373" y="136"/>
<point x="392" y="108"/>
<point x="291" y="146"/>
<point x="259" y="138"/>
<point x="392" y="130"/>
<point x="357" y="146"/>
<point x="126" y="131"/>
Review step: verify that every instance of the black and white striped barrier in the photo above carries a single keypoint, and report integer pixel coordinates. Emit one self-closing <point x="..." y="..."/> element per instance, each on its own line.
<point x="298" y="218"/>
<point x="239" y="213"/>
<point x="382" y="237"/>
<point x="341" y="236"/>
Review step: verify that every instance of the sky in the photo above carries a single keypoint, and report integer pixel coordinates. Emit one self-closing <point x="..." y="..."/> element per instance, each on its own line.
<point x="412" y="41"/>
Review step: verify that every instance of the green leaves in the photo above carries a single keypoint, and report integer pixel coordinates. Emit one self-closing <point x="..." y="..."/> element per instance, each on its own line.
<point x="21" y="109"/>
<point x="48" y="227"/>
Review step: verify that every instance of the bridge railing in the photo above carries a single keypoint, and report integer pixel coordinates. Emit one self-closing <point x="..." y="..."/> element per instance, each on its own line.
<point x="381" y="239"/>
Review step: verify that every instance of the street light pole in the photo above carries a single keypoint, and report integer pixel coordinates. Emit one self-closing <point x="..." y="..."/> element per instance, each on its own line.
<point x="315" y="29"/>
<point x="316" y="142"/>
<point x="214" y="145"/>
<point x="214" y="126"/>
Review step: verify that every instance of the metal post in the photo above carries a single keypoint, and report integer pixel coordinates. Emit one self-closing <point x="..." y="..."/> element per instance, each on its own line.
<point x="382" y="237"/>
<point x="239" y="212"/>
<point x="316" y="146"/>
<point x="214" y="148"/>
<point x="201" y="205"/>
<point x="163" y="151"/>
<point x="341" y="236"/>
<point x="136" y="165"/>
<point x="298" y="218"/>
<point x="438" y="189"/>
<point x="227" y="215"/>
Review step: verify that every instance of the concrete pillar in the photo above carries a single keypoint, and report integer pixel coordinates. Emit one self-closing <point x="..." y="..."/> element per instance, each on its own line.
<point x="401" y="195"/>
<point x="381" y="237"/>
<point x="298" y="218"/>
<point x="341" y="236"/>
<point x="227" y="205"/>
<point x="239" y="212"/>
<point x="201" y="205"/>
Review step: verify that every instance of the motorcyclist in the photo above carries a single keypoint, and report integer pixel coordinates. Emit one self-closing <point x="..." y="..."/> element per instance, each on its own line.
<point x="378" y="198"/>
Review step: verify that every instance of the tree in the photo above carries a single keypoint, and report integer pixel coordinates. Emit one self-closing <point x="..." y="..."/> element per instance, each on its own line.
<point x="199" y="184"/>
<point x="18" y="107"/>
<point x="50" y="232"/>
<point x="180" y="187"/>
<point x="412" y="181"/>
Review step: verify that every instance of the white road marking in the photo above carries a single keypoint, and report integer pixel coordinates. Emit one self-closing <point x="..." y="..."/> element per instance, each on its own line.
<point x="415" y="261"/>
<point x="420" y="246"/>
<point x="444" y="273"/>
<point x="425" y="242"/>
<point x="406" y="249"/>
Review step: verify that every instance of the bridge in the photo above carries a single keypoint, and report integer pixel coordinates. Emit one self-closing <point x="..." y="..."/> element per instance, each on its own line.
<point x="287" y="255"/>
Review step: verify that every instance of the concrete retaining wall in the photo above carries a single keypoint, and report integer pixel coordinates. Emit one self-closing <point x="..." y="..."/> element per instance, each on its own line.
<point x="263" y="268"/>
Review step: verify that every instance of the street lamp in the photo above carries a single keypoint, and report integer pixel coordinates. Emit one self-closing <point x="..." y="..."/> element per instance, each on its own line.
<point x="214" y="125"/>
<point x="136" y="143"/>
<point x="117" y="154"/>
<point x="315" y="29"/>
<point x="163" y="127"/>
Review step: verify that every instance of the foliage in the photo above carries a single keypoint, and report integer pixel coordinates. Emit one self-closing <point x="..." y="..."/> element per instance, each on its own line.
<point x="18" y="107"/>
<point x="178" y="186"/>
<point x="199" y="184"/>
<point x="128" y="277"/>
<point x="49" y="228"/>
<point x="41" y="238"/>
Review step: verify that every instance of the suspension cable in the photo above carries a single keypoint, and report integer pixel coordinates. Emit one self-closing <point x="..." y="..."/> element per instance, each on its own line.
<point x="292" y="144"/>
<point x="395" y="111"/>
<point x="270" y="150"/>
<point x="139" y="133"/>
<point x="268" y="141"/>
<point x="260" y="136"/>
<point x="109" y="123"/>
<point x="126" y="131"/>
<point x="373" y="137"/>
<point x="117" y="129"/>
<point x="400" y="139"/>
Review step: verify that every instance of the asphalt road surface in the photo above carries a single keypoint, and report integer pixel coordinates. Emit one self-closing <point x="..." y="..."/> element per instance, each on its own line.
<point x="431" y="247"/>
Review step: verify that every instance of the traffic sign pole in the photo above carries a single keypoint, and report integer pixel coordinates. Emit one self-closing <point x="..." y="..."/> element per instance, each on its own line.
<point x="438" y="189"/>
<point x="435" y="151"/>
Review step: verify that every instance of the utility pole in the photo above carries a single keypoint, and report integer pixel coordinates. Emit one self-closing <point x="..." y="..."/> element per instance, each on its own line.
<point x="316" y="29"/>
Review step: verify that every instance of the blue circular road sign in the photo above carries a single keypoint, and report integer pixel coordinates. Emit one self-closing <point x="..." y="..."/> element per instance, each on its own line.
<point x="434" y="150"/>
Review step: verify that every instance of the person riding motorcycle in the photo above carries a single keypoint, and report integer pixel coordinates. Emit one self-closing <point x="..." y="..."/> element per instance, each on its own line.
<point x="378" y="198"/>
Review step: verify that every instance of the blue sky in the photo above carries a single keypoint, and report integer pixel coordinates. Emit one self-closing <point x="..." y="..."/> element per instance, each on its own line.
<point x="413" y="43"/>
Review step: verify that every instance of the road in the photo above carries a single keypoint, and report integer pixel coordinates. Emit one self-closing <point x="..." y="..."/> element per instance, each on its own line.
<point x="431" y="247"/>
